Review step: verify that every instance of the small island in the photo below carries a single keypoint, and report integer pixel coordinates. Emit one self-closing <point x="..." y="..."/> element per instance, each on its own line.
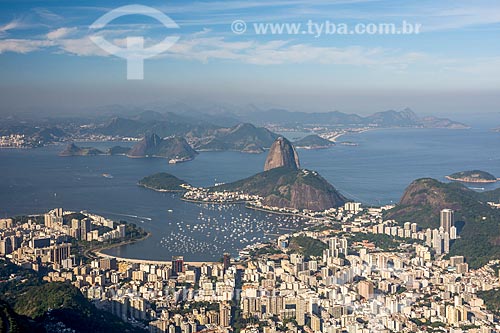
<point x="74" y="150"/>
<point x="163" y="182"/>
<point x="313" y="142"/>
<point x="474" y="176"/>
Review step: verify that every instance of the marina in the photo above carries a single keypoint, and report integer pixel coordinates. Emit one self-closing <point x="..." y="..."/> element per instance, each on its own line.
<point x="231" y="228"/>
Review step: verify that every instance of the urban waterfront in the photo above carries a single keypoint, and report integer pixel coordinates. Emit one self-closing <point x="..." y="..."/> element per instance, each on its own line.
<point x="374" y="172"/>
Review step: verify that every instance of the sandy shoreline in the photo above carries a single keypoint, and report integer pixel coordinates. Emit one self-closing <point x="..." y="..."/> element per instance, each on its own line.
<point x="473" y="181"/>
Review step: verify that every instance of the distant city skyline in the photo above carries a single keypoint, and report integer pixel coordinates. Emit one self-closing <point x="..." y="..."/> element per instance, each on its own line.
<point x="49" y="64"/>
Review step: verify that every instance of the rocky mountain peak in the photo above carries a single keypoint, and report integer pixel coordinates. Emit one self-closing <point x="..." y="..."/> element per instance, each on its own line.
<point x="282" y="154"/>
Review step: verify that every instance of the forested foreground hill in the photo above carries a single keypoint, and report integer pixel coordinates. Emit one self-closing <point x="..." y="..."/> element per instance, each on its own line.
<point x="28" y="304"/>
<point x="479" y="222"/>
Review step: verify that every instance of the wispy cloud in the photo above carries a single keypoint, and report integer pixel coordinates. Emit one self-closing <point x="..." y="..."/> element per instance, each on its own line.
<point x="279" y="52"/>
<point x="61" y="33"/>
<point x="23" y="45"/>
<point x="12" y="25"/>
<point x="464" y="16"/>
<point x="202" y="46"/>
<point x="47" y="15"/>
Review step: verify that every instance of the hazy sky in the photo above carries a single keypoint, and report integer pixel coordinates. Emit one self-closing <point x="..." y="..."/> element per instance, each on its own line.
<point x="48" y="62"/>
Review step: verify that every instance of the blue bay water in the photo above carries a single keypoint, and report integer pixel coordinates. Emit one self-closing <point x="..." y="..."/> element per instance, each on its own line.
<point x="375" y="172"/>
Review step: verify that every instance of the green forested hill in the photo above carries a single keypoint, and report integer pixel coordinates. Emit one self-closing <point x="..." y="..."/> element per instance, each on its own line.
<point x="28" y="304"/>
<point x="480" y="237"/>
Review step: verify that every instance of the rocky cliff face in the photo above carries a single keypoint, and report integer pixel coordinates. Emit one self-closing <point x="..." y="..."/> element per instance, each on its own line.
<point x="282" y="154"/>
<point x="283" y="184"/>
<point x="308" y="190"/>
<point x="149" y="145"/>
<point x="291" y="188"/>
<point x="171" y="148"/>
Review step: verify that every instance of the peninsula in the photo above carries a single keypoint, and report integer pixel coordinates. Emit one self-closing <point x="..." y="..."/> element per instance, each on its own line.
<point x="283" y="186"/>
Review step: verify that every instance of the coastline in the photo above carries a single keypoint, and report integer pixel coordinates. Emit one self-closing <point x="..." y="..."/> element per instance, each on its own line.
<point x="472" y="181"/>
<point x="97" y="250"/>
<point x="154" y="262"/>
<point x="159" y="190"/>
<point x="213" y="202"/>
<point x="99" y="254"/>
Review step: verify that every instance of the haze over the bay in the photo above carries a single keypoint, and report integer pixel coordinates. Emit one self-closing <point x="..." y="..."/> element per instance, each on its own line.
<point x="48" y="64"/>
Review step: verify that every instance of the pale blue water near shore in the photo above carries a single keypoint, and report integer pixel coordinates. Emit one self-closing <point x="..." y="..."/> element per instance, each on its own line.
<point x="375" y="172"/>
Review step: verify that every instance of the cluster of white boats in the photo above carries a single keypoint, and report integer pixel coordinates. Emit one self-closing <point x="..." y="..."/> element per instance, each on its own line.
<point x="226" y="228"/>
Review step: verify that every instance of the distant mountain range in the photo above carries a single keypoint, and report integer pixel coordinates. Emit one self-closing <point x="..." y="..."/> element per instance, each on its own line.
<point x="196" y="125"/>
<point x="202" y="134"/>
<point x="241" y="130"/>
<point x="391" y="118"/>
<point x="242" y="137"/>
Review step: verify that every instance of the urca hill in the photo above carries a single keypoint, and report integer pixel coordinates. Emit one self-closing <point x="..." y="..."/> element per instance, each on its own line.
<point x="284" y="184"/>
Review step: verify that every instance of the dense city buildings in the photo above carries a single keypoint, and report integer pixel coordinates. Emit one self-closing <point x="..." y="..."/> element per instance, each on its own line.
<point x="365" y="275"/>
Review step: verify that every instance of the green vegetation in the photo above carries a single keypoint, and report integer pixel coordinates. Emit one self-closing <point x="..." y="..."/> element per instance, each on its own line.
<point x="269" y="250"/>
<point x="288" y="187"/>
<point x="479" y="238"/>
<point x="184" y="308"/>
<point x="163" y="182"/>
<point x="10" y="322"/>
<point x="472" y="176"/>
<point x="28" y="304"/>
<point x="74" y="150"/>
<point x="307" y="246"/>
<point x="381" y="241"/>
<point x="313" y="141"/>
<point x="36" y="300"/>
<point x="118" y="150"/>
<point x="489" y="196"/>
<point x="172" y="147"/>
<point x="491" y="299"/>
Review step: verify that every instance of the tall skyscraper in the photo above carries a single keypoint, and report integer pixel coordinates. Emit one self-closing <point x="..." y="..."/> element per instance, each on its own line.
<point x="177" y="265"/>
<point x="224" y="314"/>
<point x="226" y="261"/>
<point x="446" y="243"/>
<point x="447" y="220"/>
<point x="86" y="226"/>
<point x="437" y="242"/>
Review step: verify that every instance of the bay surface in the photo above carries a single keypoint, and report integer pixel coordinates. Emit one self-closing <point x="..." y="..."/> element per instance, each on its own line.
<point x="375" y="172"/>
